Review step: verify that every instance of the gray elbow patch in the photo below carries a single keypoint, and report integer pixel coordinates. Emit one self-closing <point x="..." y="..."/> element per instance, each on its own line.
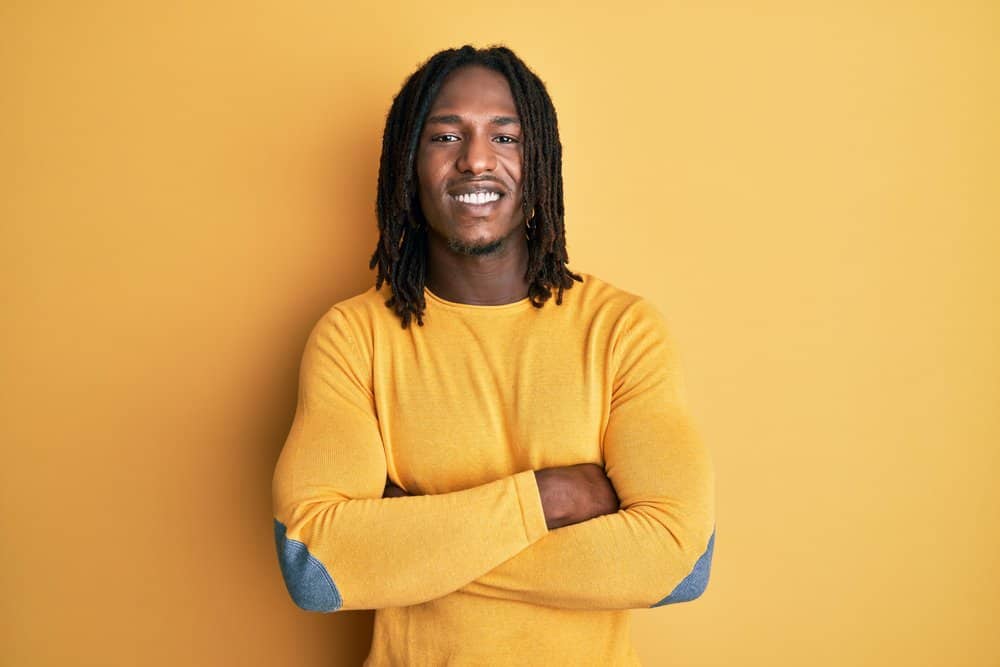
<point x="695" y="583"/>
<point x="306" y="579"/>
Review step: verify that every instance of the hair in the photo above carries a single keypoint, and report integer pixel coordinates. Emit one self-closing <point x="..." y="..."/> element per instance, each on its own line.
<point x="401" y="251"/>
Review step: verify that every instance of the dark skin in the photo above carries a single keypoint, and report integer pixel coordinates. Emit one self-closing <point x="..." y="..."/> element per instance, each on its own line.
<point x="470" y="148"/>
<point x="570" y="494"/>
<point x="471" y="142"/>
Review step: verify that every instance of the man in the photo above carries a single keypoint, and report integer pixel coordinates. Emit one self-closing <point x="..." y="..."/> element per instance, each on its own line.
<point x="500" y="474"/>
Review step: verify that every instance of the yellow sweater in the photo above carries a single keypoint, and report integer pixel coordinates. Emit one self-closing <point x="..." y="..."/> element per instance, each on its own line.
<point x="461" y="412"/>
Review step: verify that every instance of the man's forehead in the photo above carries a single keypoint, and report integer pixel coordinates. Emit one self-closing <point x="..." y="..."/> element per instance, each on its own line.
<point x="460" y="118"/>
<point x="474" y="89"/>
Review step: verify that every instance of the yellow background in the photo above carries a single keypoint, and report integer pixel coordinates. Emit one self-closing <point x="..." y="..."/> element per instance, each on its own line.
<point x="807" y="190"/>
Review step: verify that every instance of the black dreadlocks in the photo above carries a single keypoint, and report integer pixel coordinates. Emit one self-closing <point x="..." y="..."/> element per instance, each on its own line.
<point x="401" y="252"/>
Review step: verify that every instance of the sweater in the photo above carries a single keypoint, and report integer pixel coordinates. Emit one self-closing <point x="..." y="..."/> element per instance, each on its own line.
<point x="459" y="413"/>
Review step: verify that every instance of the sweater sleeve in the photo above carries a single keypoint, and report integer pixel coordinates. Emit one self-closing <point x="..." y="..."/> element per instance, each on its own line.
<point x="657" y="549"/>
<point x="340" y="545"/>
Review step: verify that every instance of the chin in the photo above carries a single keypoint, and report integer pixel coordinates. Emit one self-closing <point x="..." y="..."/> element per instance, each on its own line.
<point x="477" y="247"/>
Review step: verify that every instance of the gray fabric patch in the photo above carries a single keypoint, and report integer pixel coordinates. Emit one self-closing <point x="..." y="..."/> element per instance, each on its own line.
<point x="307" y="581"/>
<point x="696" y="582"/>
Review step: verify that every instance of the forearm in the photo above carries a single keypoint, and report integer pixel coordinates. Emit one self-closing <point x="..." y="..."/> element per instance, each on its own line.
<point x="568" y="494"/>
<point x="657" y="549"/>
<point x="626" y="560"/>
<point x="340" y="545"/>
<point x="551" y="571"/>
<point x="369" y="553"/>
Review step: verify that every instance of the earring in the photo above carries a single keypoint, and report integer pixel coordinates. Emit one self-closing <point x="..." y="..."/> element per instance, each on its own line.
<point x="527" y="223"/>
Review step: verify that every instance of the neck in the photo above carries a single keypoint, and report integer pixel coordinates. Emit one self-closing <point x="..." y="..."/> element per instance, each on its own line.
<point x="486" y="280"/>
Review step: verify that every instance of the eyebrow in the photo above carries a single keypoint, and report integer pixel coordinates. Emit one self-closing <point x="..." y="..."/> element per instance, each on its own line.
<point x="454" y="119"/>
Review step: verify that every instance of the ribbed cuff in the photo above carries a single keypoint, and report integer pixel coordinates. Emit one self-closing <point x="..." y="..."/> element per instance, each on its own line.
<point x="532" y="512"/>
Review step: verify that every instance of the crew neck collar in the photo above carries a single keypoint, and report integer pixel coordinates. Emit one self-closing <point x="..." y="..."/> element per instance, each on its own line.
<point x="519" y="305"/>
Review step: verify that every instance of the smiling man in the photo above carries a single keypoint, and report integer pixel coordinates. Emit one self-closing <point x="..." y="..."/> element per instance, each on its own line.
<point x="472" y="128"/>
<point x="492" y="451"/>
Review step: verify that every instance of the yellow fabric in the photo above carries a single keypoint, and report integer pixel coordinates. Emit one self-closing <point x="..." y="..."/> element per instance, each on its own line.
<point x="461" y="411"/>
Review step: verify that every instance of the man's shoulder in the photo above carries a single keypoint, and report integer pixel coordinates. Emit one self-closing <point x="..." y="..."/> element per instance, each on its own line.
<point x="361" y="301"/>
<point x="598" y="287"/>
<point x="598" y="294"/>
<point x="363" y="307"/>
<point x="354" y="316"/>
<point x="617" y="310"/>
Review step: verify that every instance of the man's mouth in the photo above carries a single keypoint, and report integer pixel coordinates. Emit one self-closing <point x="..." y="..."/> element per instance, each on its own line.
<point x="477" y="198"/>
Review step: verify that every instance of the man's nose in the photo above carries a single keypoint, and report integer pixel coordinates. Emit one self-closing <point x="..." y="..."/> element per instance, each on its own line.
<point x="477" y="155"/>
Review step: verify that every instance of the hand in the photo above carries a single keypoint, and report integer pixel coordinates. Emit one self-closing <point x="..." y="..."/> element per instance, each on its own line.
<point x="576" y="493"/>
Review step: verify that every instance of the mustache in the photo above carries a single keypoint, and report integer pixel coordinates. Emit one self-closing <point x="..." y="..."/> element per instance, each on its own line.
<point x="481" y="179"/>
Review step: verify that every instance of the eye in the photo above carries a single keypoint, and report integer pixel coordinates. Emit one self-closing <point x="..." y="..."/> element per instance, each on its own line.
<point x="445" y="138"/>
<point x="506" y="139"/>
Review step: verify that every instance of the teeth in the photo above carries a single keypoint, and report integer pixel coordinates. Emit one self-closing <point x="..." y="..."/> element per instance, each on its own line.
<point x="477" y="197"/>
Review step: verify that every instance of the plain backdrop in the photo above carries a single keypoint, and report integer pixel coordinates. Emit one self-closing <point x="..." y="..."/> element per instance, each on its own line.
<point x="807" y="190"/>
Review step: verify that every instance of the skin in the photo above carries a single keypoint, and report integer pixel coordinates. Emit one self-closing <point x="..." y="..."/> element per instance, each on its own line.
<point x="472" y="139"/>
<point x="570" y="494"/>
<point x="479" y="254"/>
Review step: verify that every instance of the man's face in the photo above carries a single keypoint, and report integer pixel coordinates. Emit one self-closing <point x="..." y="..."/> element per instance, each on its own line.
<point x="469" y="163"/>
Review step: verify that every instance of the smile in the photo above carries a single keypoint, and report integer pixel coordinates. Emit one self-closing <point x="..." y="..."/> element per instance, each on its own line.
<point x="477" y="198"/>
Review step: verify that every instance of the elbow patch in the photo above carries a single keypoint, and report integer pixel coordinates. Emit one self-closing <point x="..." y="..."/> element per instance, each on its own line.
<point x="306" y="579"/>
<point x="695" y="583"/>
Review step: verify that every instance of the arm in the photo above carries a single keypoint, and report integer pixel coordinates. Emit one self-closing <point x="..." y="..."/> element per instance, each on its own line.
<point x="340" y="544"/>
<point x="570" y="494"/>
<point x="658" y="548"/>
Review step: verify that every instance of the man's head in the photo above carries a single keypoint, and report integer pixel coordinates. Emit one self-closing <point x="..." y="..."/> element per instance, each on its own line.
<point x="470" y="157"/>
<point x="469" y="163"/>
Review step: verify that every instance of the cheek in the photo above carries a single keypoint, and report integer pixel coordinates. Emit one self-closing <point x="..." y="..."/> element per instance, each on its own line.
<point x="425" y="183"/>
<point x="420" y="167"/>
<point x="431" y="173"/>
<point x="515" y="171"/>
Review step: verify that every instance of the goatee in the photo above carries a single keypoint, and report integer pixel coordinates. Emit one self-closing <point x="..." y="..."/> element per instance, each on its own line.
<point x="476" y="249"/>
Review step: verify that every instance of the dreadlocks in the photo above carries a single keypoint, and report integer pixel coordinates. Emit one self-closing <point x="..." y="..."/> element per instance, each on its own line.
<point x="401" y="252"/>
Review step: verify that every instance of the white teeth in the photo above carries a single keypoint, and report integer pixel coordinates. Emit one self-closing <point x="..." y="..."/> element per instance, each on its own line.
<point x="477" y="197"/>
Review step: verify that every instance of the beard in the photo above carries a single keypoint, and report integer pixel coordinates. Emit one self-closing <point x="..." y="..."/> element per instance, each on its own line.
<point x="476" y="248"/>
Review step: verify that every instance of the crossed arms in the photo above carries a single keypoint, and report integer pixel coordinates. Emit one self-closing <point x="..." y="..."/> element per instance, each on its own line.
<point x="637" y="533"/>
<point x="569" y="494"/>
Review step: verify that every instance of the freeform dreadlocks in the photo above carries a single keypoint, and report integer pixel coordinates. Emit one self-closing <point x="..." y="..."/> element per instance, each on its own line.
<point x="401" y="252"/>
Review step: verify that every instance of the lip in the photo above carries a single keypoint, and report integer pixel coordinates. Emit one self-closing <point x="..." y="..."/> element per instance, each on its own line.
<point x="475" y="187"/>
<point x="469" y="188"/>
<point x="475" y="207"/>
